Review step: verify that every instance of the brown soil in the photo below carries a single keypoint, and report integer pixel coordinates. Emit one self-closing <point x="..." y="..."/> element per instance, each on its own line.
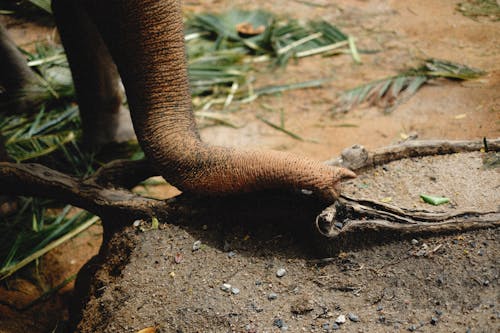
<point x="154" y="278"/>
<point x="460" y="177"/>
<point x="408" y="287"/>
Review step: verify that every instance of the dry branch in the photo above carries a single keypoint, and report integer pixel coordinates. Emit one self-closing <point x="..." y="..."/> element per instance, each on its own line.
<point x="357" y="157"/>
<point x="361" y="216"/>
<point x="32" y="179"/>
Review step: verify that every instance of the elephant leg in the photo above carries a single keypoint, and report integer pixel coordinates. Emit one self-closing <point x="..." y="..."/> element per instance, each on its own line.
<point x="15" y="75"/>
<point x="146" y="40"/>
<point x="96" y="79"/>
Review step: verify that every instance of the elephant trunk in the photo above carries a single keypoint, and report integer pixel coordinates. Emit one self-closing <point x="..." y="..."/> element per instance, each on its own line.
<point x="146" y="40"/>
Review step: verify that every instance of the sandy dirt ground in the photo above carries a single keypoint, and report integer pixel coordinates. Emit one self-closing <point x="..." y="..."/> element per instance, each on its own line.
<point x="386" y="286"/>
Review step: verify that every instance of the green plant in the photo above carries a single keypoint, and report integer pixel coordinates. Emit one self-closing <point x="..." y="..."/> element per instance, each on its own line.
<point x="394" y="90"/>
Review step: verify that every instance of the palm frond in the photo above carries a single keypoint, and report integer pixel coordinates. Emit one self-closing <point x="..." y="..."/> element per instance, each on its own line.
<point x="259" y="33"/>
<point x="37" y="146"/>
<point x="480" y="8"/>
<point x="43" y="4"/>
<point x="22" y="242"/>
<point x="394" y="90"/>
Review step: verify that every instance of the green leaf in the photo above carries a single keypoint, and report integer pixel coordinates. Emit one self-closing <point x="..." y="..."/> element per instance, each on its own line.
<point x="43" y="4"/>
<point x="154" y="222"/>
<point x="433" y="200"/>
<point x="396" y="89"/>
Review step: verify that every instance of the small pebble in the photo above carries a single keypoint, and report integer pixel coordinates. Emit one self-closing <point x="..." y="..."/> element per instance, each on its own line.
<point x="340" y="319"/>
<point x="278" y="323"/>
<point x="272" y="296"/>
<point x="486" y="283"/>
<point x="381" y="319"/>
<point x="280" y="272"/>
<point x="339" y="225"/>
<point x="353" y="317"/>
<point x="468" y="330"/>
<point x="414" y="241"/>
<point x="231" y="254"/>
<point x="380" y="308"/>
<point x="204" y="227"/>
<point x="225" y="287"/>
<point x="412" y="328"/>
<point x="335" y="326"/>
<point x="434" y="321"/>
<point x="440" y="280"/>
<point x="235" y="290"/>
<point x="258" y="283"/>
<point x="196" y="245"/>
<point x="326" y="326"/>
<point x="137" y="223"/>
<point x="439" y="312"/>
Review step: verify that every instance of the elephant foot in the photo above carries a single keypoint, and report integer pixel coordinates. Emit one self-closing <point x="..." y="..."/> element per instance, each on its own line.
<point x="115" y="127"/>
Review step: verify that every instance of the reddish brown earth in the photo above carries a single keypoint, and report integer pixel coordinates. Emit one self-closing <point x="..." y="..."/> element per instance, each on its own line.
<point x="402" y="32"/>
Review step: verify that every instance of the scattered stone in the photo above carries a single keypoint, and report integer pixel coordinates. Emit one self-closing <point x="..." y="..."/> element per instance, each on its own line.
<point x="468" y="330"/>
<point x="353" y="317"/>
<point x="340" y="319"/>
<point x="225" y="287"/>
<point x="302" y="305"/>
<point x="178" y="258"/>
<point x="326" y="326"/>
<point x="280" y="272"/>
<point x="412" y="328"/>
<point x="486" y="283"/>
<point x="196" y="245"/>
<point x="440" y="280"/>
<point x="258" y="283"/>
<point x="380" y="308"/>
<point x="257" y="308"/>
<point x="339" y="225"/>
<point x="231" y="254"/>
<point x="250" y="328"/>
<point x="434" y="320"/>
<point x="439" y="312"/>
<point x="272" y="296"/>
<point x="235" y="290"/>
<point x="335" y="326"/>
<point x="279" y="323"/>
<point x="381" y="319"/>
<point x="414" y="241"/>
<point x="137" y="223"/>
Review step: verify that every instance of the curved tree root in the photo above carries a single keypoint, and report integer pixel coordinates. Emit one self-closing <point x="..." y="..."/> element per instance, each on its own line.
<point x="32" y="179"/>
<point x="349" y="215"/>
<point x="357" y="157"/>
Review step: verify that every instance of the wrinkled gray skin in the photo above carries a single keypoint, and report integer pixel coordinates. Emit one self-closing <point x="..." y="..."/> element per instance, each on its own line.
<point x="15" y="75"/>
<point x="146" y="41"/>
